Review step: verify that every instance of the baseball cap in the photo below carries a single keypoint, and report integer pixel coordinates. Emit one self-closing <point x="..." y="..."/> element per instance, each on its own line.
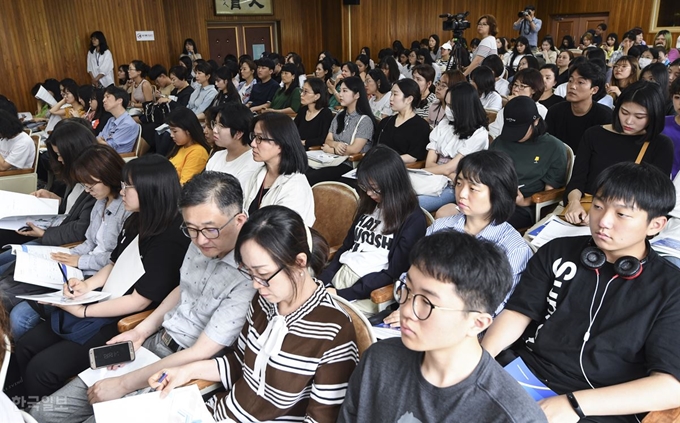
<point x="266" y="62"/>
<point x="519" y="114"/>
<point x="446" y="46"/>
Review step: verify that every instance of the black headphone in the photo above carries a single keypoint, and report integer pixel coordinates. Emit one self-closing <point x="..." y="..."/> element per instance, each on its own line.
<point x="627" y="267"/>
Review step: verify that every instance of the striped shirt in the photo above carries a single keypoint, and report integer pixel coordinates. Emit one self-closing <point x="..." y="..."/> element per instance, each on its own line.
<point x="305" y="381"/>
<point x="503" y="235"/>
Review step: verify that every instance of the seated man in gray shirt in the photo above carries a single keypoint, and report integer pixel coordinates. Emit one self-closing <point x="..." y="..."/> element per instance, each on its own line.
<point x="204" y="314"/>
<point x="452" y="288"/>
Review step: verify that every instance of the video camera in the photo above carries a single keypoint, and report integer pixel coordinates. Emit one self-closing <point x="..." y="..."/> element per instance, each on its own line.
<point x="456" y="23"/>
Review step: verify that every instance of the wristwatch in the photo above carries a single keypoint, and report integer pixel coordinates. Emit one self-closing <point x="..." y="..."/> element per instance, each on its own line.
<point x="575" y="405"/>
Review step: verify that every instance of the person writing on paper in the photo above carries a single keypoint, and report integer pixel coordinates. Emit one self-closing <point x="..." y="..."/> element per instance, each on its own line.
<point x="294" y="317"/>
<point x="387" y="223"/>
<point x="65" y="144"/>
<point x="98" y="169"/>
<point x="453" y="286"/>
<point x="193" y="326"/>
<point x="486" y="187"/>
<point x="17" y="149"/>
<point x="54" y="351"/>
<point x="276" y="143"/>
<point x="638" y="117"/>
<point x="588" y="316"/>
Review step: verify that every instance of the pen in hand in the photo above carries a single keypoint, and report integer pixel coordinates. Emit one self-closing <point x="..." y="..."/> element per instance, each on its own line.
<point x="160" y="380"/>
<point x="63" y="273"/>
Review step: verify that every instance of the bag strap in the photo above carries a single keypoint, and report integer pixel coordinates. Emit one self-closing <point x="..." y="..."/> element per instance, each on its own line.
<point x="642" y="152"/>
<point x="356" y="128"/>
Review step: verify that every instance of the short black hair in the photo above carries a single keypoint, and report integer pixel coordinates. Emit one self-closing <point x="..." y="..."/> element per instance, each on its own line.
<point x="142" y="67"/>
<point x="71" y="138"/>
<point x="118" y="94"/>
<point x="180" y="72"/>
<point x="533" y="78"/>
<point x="603" y="26"/>
<point x="496" y="170"/>
<point x="219" y="188"/>
<point x="484" y="79"/>
<point x="10" y="125"/>
<point x="7" y="105"/>
<point x="648" y="95"/>
<point x="595" y="53"/>
<point x="478" y="270"/>
<point x="382" y="82"/>
<point x="156" y="71"/>
<point x="532" y="61"/>
<point x="282" y="129"/>
<point x="409" y="88"/>
<point x="675" y="87"/>
<point x="237" y="117"/>
<point x="641" y="185"/>
<point x="495" y="64"/>
<point x="589" y="71"/>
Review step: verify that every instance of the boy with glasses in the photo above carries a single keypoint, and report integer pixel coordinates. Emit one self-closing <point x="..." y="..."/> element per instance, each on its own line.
<point x="437" y="371"/>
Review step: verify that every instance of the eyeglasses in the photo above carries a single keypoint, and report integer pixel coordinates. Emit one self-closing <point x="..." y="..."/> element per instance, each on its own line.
<point x="305" y="92"/>
<point x="367" y="189"/>
<point x="621" y="66"/>
<point x="263" y="282"/>
<point x="422" y="306"/>
<point x="216" y="124"/>
<point x="259" y="138"/>
<point x="441" y="84"/>
<point x="208" y="233"/>
<point x="519" y="86"/>
<point x="124" y="186"/>
<point x="89" y="188"/>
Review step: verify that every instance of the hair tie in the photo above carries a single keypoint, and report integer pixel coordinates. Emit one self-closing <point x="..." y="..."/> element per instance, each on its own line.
<point x="310" y="243"/>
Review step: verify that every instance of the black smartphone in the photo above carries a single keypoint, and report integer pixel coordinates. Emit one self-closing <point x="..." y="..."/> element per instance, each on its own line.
<point x="24" y="229"/>
<point x="108" y="355"/>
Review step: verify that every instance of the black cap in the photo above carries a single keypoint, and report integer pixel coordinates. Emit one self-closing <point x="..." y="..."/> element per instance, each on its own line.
<point x="518" y="115"/>
<point x="266" y="62"/>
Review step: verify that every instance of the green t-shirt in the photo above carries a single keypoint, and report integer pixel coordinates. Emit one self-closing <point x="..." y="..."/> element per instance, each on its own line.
<point x="281" y="100"/>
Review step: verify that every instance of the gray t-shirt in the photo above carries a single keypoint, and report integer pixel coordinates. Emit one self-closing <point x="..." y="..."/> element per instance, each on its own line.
<point x="388" y="386"/>
<point x="364" y="129"/>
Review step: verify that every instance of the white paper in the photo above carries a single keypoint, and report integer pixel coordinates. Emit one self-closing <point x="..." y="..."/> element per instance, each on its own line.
<point x="25" y="116"/>
<point x="42" y="251"/>
<point x="382" y="332"/>
<point x="352" y="174"/>
<point x="143" y="358"/>
<point x="37" y="268"/>
<point x="558" y="228"/>
<point x="420" y="171"/>
<point x="59" y="299"/>
<point x="127" y="270"/>
<point x="45" y="96"/>
<point x="180" y="406"/>
<point x="16" y="204"/>
<point x="321" y="157"/>
<point x="13" y="223"/>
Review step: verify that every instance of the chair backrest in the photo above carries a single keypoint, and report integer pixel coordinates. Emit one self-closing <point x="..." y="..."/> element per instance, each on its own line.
<point x="28" y="131"/>
<point x="362" y="327"/>
<point x="570" y="162"/>
<point x="36" y="142"/>
<point x="428" y="216"/>
<point x="138" y="143"/>
<point x="335" y="204"/>
<point x="491" y="115"/>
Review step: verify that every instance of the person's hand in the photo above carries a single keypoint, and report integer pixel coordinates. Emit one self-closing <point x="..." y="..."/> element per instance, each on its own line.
<point x="106" y="390"/>
<point x="43" y="193"/>
<point x="575" y="214"/>
<point x="66" y="258"/>
<point x="133" y="336"/>
<point x="34" y="231"/>
<point x="520" y="198"/>
<point x="393" y="319"/>
<point x="163" y="100"/>
<point x="611" y="89"/>
<point x="79" y="287"/>
<point x="558" y="410"/>
<point x="174" y="377"/>
<point x="327" y="149"/>
<point x="340" y="148"/>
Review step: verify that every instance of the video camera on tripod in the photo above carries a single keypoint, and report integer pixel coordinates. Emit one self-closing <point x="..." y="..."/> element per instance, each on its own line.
<point x="457" y="24"/>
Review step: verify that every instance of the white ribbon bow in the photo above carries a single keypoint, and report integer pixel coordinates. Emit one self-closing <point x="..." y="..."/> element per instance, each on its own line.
<point x="270" y="345"/>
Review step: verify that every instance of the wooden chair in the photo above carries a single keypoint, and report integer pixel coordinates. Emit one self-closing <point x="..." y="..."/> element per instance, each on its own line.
<point x="24" y="181"/>
<point x="130" y="322"/>
<point x="362" y="327"/>
<point x="384" y="296"/>
<point x="416" y="165"/>
<point x="553" y="196"/>
<point x="666" y="416"/>
<point x="335" y="204"/>
<point x="491" y="115"/>
<point x="136" y="149"/>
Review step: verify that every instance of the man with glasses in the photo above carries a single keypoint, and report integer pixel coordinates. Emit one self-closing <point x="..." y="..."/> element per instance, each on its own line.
<point x="199" y="318"/>
<point x="437" y="371"/>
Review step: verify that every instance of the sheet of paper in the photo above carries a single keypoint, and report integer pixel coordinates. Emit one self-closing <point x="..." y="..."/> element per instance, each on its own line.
<point x="352" y="174"/>
<point x="42" y="251"/>
<point x="420" y="171"/>
<point x="14" y="223"/>
<point x="39" y="269"/>
<point x="143" y="358"/>
<point x="16" y="204"/>
<point x="127" y="270"/>
<point x="180" y="406"/>
<point x="45" y="96"/>
<point x="321" y="157"/>
<point x="534" y="387"/>
<point x="59" y="299"/>
<point x="25" y="116"/>
<point x="557" y="228"/>
<point x="383" y="331"/>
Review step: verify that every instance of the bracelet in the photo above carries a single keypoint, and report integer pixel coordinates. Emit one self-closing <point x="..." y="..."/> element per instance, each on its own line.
<point x="575" y="405"/>
<point x="85" y="311"/>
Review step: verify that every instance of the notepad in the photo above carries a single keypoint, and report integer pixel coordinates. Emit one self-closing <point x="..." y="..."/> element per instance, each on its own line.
<point x="527" y="380"/>
<point x="59" y="299"/>
<point x="143" y="358"/>
<point x="558" y="228"/>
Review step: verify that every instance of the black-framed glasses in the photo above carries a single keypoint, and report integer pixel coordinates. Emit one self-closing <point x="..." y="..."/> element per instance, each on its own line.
<point x="208" y="233"/>
<point x="519" y="86"/>
<point x="421" y="305"/>
<point x="261" y="281"/>
<point x="259" y="138"/>
<point x="371" y="189"/>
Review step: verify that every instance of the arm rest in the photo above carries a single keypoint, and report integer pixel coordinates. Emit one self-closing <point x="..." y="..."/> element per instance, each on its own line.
<point x="127" y="323"/>
<point x="666" y="416"/>
<point x="202" y="384"/>
<point x="356" y="157"/>
<point x="416" y="165"/>
<point x="130" y="154"/>
<point x="549" y="195"/>
<point x="16" y="172"/>
<point x="71" y="245"/>
<point x="315" y="147"/>
<point x="384" y="294"/>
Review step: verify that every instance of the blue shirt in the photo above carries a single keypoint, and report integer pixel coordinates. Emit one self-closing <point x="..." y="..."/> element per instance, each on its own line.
<point x="525" y="30"/>
<point x="121" y="133"/>
<point x="201" y="99"/>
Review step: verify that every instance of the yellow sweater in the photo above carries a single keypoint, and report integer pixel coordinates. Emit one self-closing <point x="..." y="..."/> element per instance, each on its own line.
<point x="189" y="161"/>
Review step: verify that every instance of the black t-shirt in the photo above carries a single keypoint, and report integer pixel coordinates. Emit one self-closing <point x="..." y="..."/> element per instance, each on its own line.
<point x="263" y="92"/>
<point x="551" y="101"/>
<point x="162" y="256"/>
<point x="315" y="131"/>
<point x="634" y="333"/>
<point x="184" y="95"/>
<point x="569" y="128"/>
<point x="411" y="137"/>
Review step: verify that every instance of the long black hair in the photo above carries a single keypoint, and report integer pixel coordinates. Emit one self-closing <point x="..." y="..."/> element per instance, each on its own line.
<point x="383" y="169"/>
<point x="70" y="137"/>
<point x="648" y="95"/>
<point x="285" y="134"/>
<point x="468" y="113"/>
<point x="226" y="75"/>
<point x="356" y="85"/>
<point x="390" y="64"/>
<point x="157" y="184"/>
<point x="103" y="46"/>
<point x="186" y="120"/>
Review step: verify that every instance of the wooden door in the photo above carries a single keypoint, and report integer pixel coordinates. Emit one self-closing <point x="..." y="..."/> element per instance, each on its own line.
<point x="566" y="26"/>
<point x="223" y="41"/>
<point x="576" y="25"/>
<point x="258" y="39"/>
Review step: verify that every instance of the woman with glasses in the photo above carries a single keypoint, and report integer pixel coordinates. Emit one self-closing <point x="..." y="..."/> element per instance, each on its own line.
<point x="98" y="169"/>
<point x="388" y="222"/>
<point x="281" y="181"/>
<point x="314" y="118"/>
<point x="56" y="350"/>
<point x="485" y="190"/>
<point x="437" y="110"/>
<point x="487" y="30"/>
<point x="625" y="72"/>
<point x="189" y="155"/>
<point x="527" y="83"/>
<point x="70" y="105"/>
<point x="297" y="349"/>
